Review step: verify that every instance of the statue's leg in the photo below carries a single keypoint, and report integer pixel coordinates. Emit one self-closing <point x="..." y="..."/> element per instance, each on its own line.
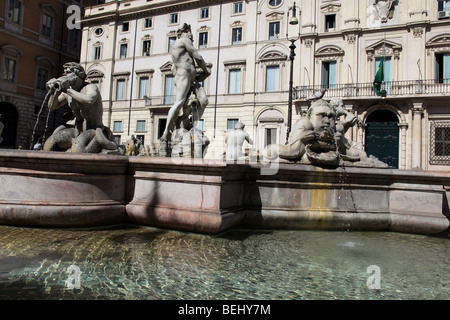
<point x="182" y="88"/>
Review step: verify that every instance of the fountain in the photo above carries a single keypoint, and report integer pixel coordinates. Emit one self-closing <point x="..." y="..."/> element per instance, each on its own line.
<point x="319" y="180"/>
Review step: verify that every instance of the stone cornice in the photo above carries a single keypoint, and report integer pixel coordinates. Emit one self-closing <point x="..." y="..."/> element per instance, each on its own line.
<point x="122" y="13"/>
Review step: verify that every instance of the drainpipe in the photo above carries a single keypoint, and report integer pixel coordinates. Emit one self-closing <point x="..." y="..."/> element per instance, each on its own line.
<point x="217" y="68"/>
<point x="132" y="76"/>
<point x="113" y="63"/>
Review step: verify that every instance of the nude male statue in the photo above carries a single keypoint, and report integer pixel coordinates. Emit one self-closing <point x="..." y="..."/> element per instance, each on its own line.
<point x="85" y="101"/>
<point x="234" y="140"/>
<point x="82" y="97"/>
<point x="313" y="134"/>
<point x="185" y="57"/>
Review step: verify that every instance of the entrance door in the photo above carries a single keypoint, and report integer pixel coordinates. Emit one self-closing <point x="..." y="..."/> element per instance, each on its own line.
<point x="9" y="118"/>
<point x="382" y="137"/>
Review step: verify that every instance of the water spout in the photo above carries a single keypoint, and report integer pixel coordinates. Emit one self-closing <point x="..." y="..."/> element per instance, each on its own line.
<point x="47" y="96"/>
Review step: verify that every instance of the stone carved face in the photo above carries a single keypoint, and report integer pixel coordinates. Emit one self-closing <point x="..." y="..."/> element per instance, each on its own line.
<point x="322" y="117"/>
<point x="383" y="8"/>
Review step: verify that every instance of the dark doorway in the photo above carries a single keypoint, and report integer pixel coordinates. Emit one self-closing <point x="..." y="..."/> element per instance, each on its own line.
<point x="382" y="135"/>
<point x="9" y="118"/>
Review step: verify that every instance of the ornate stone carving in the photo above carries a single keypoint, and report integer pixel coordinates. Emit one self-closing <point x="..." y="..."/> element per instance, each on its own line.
<point x="384" y="9"/>
<point x="383" y="48"/>
<point x="329" y="53"/>
<point x="440" y="43"/>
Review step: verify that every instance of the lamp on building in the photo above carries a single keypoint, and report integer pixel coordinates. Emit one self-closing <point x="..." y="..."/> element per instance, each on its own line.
<point x="292" y="21"/>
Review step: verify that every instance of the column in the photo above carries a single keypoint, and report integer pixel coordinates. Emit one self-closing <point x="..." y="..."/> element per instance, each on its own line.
<point x="417" y="135"/>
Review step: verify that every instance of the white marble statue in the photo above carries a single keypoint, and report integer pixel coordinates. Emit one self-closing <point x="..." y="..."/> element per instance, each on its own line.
<point x="235" y="140"/>
<point x="185" y="58"/>
<point x="86" y="133"/>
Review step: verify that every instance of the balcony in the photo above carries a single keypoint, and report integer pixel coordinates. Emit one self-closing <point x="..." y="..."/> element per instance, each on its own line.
<point x="399" y="89"/>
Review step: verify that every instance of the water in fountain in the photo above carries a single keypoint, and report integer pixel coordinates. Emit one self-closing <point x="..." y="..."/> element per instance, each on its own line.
<point x="47" y="96"/>
<point x="343" y="178"/>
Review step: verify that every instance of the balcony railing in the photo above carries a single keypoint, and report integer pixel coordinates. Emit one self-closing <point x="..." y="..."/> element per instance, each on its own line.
<point x="365" y="90"/>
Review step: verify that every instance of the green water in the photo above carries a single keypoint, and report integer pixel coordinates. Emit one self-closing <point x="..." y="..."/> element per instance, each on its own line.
<point x="127" y="262"/>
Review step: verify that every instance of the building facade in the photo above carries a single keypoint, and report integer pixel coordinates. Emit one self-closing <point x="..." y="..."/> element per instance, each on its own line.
<point x="35" y="42"/>
<point x="248" y="45"/>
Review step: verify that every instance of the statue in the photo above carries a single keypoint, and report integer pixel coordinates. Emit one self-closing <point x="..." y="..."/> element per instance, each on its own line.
<point x="234" y="140"/>
<point x="133" y="146"/>
<point x="383" y="8"/>
<point x="319" y="139"/>
<point x="86" y="132"/>
<point x="189" y="94"/>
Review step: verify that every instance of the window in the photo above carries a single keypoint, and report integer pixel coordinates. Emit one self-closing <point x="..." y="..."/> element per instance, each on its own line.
<point x="75" y="38"/>
<point x="169" y="89"/>
<point x="200" y="124"/>
<point x="274" y="3"/>
<point x="386" y="85"/>
<point x="204" y="13"/>
<point x="97" y="53"/>
<point x="328" y="74"/>
<point x="231" y="123"/>
<point x="440" y="143"/>
<point x="47" y="25"/>
<point x="120" y="89"/>
<point x="148" y="23"/>
<point x="42" y="78"/>
<point x="236" y="37"/>
<point x="9" y="69"/>
<point x="98" y="31"/>
<point x="117" y="139"/>
<point x="123" y="50"/>
<point x="143" y="87"/>
<point x="173" y="18"/>
<point x="272" y="78"/>
<point x="140" y="125"/>
<point x="238" y="7"/>
<point x="146" y="47"/>
<point x="171" y="42"/>
<point x="125" y="26"/>
<point x="234" y="81"/>
<point x="141" y="138"/>
<point x="203" y="40"/>
<point x="117" y="126"/>
<point x="330" y="22"/>
<point x="161" y="126"/>
<point x="270" y="136"/>
<point x="442" y="68"/>
<point x="274" y="30"/>
<point x="14" y="13"/>
<point x="444" y="6"/>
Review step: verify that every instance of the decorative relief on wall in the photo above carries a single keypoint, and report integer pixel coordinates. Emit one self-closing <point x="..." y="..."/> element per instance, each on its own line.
<point x="329" y="53"/>
<point x="383" y="48"/>
<point x="440" y="43"/>
<point x="384" y="9"/>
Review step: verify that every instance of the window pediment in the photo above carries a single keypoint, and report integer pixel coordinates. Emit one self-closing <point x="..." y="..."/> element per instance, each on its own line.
<point x="95" y="74"/>
<point x="272" y="57"/>
<point x="329" y="52"/>
<point x="44" y="62"/>
<point x="274" y="16"/>
<point x="383" y="48"/>
<point x="166" y="67"/>
<point x="440" y="43"/>
<point x="330" y="8"/>
<point x="48" y="8"/>
<point x="11" y="50"/>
